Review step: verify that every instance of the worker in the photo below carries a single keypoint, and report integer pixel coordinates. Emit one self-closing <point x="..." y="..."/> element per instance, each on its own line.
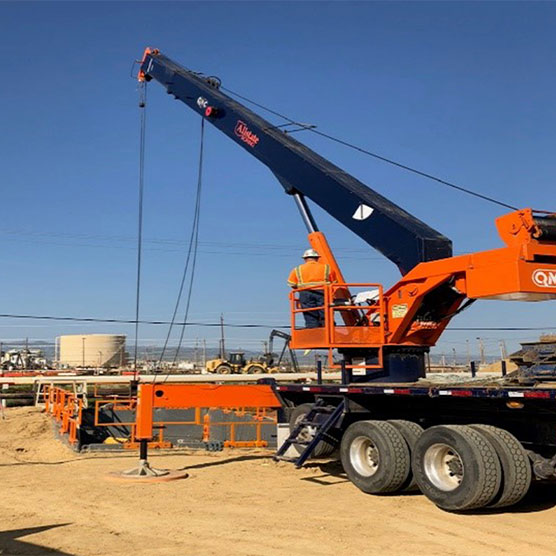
<point x="312" y="274"/>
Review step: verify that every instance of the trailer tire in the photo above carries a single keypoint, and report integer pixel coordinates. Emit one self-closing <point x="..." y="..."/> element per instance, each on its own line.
<point x="516" y="467"/>
<point x="323" y="448"/>
<point x="411" y="432"/>
<point x="375" y="456"/>
<point x="456" y="467"/>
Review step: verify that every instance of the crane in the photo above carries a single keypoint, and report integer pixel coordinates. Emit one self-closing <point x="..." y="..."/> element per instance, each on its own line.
<point x="384" y="336"/>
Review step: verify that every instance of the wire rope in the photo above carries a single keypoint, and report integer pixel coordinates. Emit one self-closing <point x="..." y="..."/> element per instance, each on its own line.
<point x="143" y="125"/>
<point x="311" y="128"/>
<point x="193" y="242"/>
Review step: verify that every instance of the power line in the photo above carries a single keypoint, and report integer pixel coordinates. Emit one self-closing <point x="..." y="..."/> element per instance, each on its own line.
<point x="132" y="321"/>
<point x="288" y="250"/>
<point x="372" y="154"/>
<point x="239" y="325"/>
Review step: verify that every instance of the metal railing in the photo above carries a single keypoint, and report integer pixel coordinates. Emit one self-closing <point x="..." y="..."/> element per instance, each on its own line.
<point x="363" y="322"/>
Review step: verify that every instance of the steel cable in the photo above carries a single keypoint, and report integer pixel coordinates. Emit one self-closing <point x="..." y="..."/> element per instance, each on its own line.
<point x="191" y="256"/>
<point x="143" y="125"/>
<point x="193" y="242"/>
<point x="311" y="128"/>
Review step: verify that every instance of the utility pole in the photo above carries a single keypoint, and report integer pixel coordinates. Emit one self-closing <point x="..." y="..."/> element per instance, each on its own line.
<point x="83" y="352"/>
<point x="503" y="352"/>
<point x="196" y="352"/>
<point x="222" y="347"/>
<point x="4" y="402"/>
<point x="204" y="353"/>
<point x="468" y="348"/>
<point x="455" y="357"/>
<point x="482" y="350"/>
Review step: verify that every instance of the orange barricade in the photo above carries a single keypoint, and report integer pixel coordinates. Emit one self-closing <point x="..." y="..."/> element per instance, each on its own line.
<point x="66" y="408"/>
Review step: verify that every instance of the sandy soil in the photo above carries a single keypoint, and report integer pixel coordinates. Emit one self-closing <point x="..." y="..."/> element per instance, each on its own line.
<point x="234" y="503"/>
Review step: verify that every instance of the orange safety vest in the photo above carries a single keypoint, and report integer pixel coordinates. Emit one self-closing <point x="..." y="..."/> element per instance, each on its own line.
<point x="311" y="273"/>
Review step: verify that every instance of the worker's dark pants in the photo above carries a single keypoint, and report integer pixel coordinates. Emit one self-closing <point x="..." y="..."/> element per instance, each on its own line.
<point x="312" y="298"/>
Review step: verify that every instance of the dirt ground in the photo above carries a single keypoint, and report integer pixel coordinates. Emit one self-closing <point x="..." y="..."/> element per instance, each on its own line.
<point x="54" y="501"/>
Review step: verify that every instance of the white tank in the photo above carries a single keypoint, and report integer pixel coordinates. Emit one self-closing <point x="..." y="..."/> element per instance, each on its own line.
<point x="92" y="350"/>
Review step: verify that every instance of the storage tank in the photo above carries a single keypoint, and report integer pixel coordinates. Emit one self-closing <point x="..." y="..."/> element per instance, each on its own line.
<point x="92" y="350"/>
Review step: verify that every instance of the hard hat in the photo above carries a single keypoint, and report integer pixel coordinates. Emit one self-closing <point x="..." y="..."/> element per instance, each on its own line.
<point x="310" y="253"/>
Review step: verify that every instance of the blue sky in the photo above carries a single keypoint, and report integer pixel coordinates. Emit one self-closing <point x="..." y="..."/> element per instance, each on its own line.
<point x="462" y="90"/>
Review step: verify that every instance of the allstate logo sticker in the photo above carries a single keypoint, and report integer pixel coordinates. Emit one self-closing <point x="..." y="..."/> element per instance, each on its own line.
<point x="545" y="278"/>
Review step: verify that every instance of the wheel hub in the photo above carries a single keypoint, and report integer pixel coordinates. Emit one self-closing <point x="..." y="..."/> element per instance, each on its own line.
<point x="364" y="456"/>
<point x="443" y="466"/>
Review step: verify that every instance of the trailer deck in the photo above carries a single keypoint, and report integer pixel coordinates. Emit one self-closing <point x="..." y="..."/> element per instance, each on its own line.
<point x="428" y="389"/>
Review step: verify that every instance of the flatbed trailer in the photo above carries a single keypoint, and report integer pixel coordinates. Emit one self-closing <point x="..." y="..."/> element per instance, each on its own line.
<point x="465" y="445"/>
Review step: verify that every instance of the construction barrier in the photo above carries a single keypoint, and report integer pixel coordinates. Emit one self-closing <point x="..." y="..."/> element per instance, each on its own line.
<point x="67" y="408"/>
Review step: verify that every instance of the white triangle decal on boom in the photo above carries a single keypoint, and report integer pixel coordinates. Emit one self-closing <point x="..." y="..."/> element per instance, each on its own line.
<point x="362" y="212"/>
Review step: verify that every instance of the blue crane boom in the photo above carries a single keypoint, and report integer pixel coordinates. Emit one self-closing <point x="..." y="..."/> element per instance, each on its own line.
<point x="395" y="233"/>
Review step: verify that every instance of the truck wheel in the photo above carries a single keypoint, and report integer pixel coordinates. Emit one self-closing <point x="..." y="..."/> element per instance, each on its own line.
<point x="375" y="456"/>
<point x="516" y="468"/>
<point x="456" y="467"/>
<point x="411" y="432"/>
<point x="323" y="448"/>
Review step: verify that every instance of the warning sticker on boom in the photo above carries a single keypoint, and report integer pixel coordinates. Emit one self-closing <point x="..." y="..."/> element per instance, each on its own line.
<point x="399" y="311"/>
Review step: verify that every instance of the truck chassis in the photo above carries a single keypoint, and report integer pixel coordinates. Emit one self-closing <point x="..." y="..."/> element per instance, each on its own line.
<point x="465" y="446"/>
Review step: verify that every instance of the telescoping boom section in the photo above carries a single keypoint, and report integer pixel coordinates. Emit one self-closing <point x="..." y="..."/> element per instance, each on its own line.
<point x="398" y="235"/>
<point x="380" y="333"/>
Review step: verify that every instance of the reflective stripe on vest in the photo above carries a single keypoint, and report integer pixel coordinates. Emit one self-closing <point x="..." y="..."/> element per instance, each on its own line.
<point x="302" y="284"/>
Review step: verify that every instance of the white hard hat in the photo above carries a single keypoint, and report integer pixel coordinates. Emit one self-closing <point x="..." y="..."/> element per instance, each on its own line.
<point x="310" y="253"/>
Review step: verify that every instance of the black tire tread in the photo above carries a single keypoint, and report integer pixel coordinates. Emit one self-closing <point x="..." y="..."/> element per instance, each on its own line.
<point x="488" y="461"/>
<point x="511" y="493"/>
<point x="402" y="462"/>
<point x="411" y="432"/>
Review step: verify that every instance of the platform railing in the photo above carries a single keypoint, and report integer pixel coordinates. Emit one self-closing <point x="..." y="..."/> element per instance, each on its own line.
<point x="363" y="322"/>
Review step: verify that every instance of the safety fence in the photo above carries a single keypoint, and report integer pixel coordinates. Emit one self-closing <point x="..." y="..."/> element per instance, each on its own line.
<point x="67" y="408"/>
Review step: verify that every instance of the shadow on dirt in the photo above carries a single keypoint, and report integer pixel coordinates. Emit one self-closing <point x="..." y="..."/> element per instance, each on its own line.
<point x="10" y="543"/>
<point x="218" y="462"/>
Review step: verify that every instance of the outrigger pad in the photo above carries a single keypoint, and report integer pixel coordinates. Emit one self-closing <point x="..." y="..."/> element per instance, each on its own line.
<point x="144" y="473"/>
